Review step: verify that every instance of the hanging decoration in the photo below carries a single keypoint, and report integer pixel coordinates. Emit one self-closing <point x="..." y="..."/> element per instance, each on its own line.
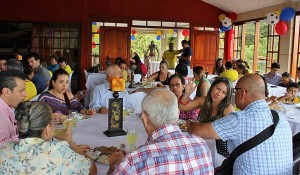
<point x="93" y="45"/>
<point x="175" y="35"/>
<point x="170" y="31"/>
<point x="158" y="33"/>
<point x="278" y="19"/>
<point x="158" y="38"/>
<point x="132" y="37"/>
<point x="163" y="36"/>
<point x="186" y="32"/>
<point x="226" y="21"/>
<point x="133" y="32"/>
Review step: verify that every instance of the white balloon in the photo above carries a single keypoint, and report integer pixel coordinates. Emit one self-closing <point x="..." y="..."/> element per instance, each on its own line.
<point x="175" y="34"/>
<point x="226" y="22"/>
<point x="271" y="19"/>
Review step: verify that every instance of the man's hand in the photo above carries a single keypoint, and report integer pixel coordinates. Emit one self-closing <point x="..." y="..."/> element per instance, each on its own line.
<point x="103" y="110"/>
<point x="114" y="159"/>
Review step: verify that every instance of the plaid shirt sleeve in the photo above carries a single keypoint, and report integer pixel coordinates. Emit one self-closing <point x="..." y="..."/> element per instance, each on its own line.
<point x="227" y="127"/>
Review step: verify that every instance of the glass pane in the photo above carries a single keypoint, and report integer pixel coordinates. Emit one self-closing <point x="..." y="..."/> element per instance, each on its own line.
<point x="222" y="35"/>
<point x="249" y="43"/>
<point x="47" y="52"/>
<point x="56" y="32"/>
<point x="240" y="30"/>
<point x="47" y="32"/>
<point x="201" y="28"/>
<point x="74" y="34"/>
<point x="95" y="38"/>
<point x="276" y="42"/>
<point x="38" y="42"/>
<point x="65" y="53"/>
<point x="56" y="43"/>
<point x="221" y="53"/>
<point x="275" y="57"/>
<point x="47" y="42"/>
<point x="271" y="30"/>
<point x="38" y="31"/>
<point x="37" y="50"/>
<point x="270" y="44"/>
<point x="74" y="43"/>
<point x="221" y="44"/>
<point x="239" y="44"/>
<point x="95" y="50"/>
<point x="109" y="24"/>
<point x="139" y="23"/>
<point x="154" y="23"/>
<point x="65" y="43"/>
<point x="183" y="24"/>
<point x="168" y="24"/>
<point x="209" y="29"/>
<point x="122" y="25"/>
<point x="74" y="29"/>
<point x="96" y="26"/>
<point x="236" y="31"/>
<point x="65" y="32"/>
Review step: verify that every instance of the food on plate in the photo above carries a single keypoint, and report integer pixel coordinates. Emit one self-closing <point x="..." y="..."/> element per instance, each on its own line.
<point x="160" y="85"/>
<point x="106" y="150"/>
<point x="277" y="108"/>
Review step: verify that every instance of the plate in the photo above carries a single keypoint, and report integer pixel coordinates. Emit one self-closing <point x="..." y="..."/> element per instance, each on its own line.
<point x="104" y="159"/>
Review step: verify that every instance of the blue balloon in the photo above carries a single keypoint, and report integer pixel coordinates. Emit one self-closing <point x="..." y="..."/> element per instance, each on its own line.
<point x="132" y="37"/>
<point x="287" y="14"/>
<point x="158" y="38"/>
<point x="224" y="29"/>
<point x="175" y="30"/>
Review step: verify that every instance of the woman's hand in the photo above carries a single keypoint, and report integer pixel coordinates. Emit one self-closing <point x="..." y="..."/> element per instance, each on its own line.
<point x="58" y="118"/>
<point x="190" y="87"/>
<point x="191" y="126"/>
<point x="91" y="111"/>
<point x="85" y="148"/>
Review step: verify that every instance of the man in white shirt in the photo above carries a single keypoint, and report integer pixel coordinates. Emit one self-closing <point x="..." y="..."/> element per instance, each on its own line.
<point x="101" y="95"/>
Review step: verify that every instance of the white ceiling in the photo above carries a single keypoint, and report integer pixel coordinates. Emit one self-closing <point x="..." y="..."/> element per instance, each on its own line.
<point x="240" y="6"/>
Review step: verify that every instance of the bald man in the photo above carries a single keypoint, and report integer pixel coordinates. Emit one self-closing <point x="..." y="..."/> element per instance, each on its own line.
<point x="274" y="155"/>
<point x="100" y="94"/>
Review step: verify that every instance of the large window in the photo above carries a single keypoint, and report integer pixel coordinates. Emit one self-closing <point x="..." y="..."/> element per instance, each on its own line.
<point x="273" y="47"/>
<point x="62" y="41"/>
<point x="262" y="47"/>
<point x="249" y="43"/>
<point x="237" y="44"/>
<point x="221" y="45"/>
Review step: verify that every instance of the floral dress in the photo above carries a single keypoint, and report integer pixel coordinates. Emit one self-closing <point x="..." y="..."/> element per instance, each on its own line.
<point x="37" y="156"/>
<point x="186" y="115"/>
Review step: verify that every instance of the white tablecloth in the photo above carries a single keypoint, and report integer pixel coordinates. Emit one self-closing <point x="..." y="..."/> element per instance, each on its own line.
<point x="90" y="131"/>
<point x="153" y="66"/>
<point x="292" y="114"/>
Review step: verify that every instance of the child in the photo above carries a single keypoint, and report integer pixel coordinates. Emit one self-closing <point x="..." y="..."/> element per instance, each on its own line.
<point x="291" y="94"/>
<point x="286" y="79"/>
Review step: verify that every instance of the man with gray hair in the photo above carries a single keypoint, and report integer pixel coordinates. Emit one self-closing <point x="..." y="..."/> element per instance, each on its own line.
<point x="274" y="155"/>
<point x="167" y="150"/>
<point x="12" y="92"/>
<point x="100" y="95"/>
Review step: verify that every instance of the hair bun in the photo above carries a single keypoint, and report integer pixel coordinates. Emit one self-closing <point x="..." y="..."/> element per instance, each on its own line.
<point x="22" y="116"/>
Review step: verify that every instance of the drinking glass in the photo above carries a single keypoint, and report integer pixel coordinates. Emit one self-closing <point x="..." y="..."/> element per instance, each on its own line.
<point x="132" y="135"/>
<point x="72" y="118"/>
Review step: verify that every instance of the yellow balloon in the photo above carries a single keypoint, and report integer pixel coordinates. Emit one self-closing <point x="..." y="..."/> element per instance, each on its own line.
<point x="277" y="13"/>
<point x="158" y="33"/>
<point x="94" y="28"/>
<point x="222" y="17"/>
<point x="170" y="31"/>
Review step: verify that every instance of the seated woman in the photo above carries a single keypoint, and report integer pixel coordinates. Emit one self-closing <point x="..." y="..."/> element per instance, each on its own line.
<point x="126" y="73"/>
<point x="203" y="84"/>
<point x="177" y="84"/>
<point x="286" y="79"/>
<point x="215" y="105"/>
<point x="140" y="67"/>
<point x="162" y="75"/>
<point x="219" y="67"/>
<point x="37" y="152"/>
<point x="242" y="70"/>
<point x="58" y="98"/>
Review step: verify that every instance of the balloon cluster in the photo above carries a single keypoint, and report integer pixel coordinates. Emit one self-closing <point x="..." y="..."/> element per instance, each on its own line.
<point x="158" y="35"/>
<point x="226" y="21"/>
<point x="278" y="19"/>
<point x="133" y="33"/>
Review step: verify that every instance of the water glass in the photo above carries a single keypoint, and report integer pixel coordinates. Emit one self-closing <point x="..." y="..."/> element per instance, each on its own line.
<point x="132" y="136"/>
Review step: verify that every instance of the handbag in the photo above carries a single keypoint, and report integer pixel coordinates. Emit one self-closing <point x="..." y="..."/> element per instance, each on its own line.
<point x="227" y="165"/>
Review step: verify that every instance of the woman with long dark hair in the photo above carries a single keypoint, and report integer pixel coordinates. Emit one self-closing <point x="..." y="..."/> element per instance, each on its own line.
<point x="203" y="84"/>
<point x="59" y="98"/>
<point x="219" y="67"/>
<point x="215" y="105"/>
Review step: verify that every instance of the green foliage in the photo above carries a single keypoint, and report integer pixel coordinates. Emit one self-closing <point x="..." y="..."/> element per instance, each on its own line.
<point x="141" y="43"/>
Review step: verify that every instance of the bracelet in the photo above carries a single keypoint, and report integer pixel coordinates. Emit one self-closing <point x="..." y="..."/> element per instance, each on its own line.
<point x="182" y="102"/>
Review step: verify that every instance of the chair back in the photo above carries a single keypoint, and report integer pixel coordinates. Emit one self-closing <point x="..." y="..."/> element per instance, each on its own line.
<point x="137" y="77"/>
<point x="86" y="74"/>
<point x="70" y="80"/>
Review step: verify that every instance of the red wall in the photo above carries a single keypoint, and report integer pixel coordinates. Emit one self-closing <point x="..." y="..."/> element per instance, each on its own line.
<point x="79" y="11"/>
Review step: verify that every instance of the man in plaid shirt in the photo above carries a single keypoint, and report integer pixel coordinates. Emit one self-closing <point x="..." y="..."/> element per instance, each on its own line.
<point x="167" y="150"/>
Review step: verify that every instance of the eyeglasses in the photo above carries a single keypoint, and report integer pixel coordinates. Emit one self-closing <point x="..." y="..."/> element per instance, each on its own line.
<point x="237" y="88"/>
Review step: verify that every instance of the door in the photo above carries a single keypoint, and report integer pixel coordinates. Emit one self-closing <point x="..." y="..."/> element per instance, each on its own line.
<point x="114" y="42"/>
<point x="206" y="49"/>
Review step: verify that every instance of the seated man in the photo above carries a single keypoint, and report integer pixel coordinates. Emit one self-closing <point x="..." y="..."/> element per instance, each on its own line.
<point x="273" y="77"/>
<point x="63" y="65"/>
<point x="37" y="79"/>
<point x="274" y="155"/>
<point x="34" y="61"/>
<point x="230" y="73"/>
<point x="167" y="150"/>
<point x="12" y="92"/>
<point x="100" y="94"/>
<point x="53" y="64"/>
